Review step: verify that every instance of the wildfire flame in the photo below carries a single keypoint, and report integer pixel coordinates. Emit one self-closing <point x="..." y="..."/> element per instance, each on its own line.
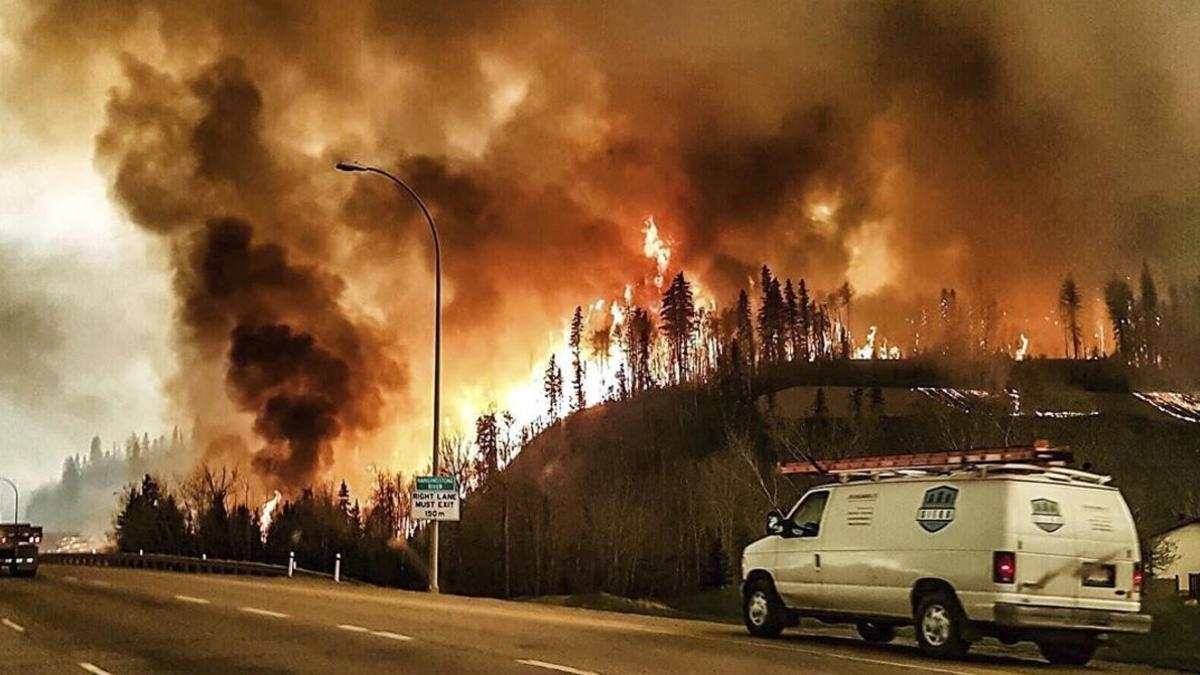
<point x="1023" y="350"/>
<point x="268" y="513"/>
<point x="867" y="351"/>
<point x="602" y="360"/>
<point x="656" y="249"/>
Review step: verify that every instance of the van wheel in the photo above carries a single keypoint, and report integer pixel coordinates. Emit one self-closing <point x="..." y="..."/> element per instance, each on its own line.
<point x="762" y="609"/>
<point x="875" y="632"/>
<point x="940" y="624"/>
<point x="1068" y="653"/>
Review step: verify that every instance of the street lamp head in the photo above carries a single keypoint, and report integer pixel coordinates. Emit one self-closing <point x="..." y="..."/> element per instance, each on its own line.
<point x="350" y="166"/>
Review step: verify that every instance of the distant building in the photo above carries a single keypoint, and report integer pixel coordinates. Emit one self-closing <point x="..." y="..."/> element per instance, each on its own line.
<point x="1185" y="569"/>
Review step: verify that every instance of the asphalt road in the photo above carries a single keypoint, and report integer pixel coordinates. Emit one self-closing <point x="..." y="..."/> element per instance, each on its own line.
<point x="118" y="621"/>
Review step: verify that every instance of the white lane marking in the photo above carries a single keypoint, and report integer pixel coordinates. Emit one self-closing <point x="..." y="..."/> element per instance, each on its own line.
<point x="391" y="636"/>
<point x="15" y="626"/>
<point x="835" y="655"/>
<point x="101" y="584"/>
<point x="71" y="580"/>
<point x="94" y="670"/>
<point x="263" y="612"/>
<point x="555" y="666"/>
<point x="194" y="601"/>
<point x="353" y="629"/>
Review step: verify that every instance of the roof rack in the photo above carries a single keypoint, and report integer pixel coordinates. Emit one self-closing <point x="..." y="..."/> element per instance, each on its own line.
<point x="1037" y="458"/>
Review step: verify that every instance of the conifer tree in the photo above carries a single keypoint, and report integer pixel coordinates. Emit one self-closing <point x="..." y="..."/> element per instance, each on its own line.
<point x="1118" y="297"/>
<point x="820" y="406"/>
<point x="770" y="318"/>
<point x="804" y="320"/>
<point x="487" y="440"/>
<point x="678" y="316"/>
<point x="552" y="383"/>
<point x="1149" y="317"/>
<point x="791" y="314"/>
<point x="877" y="403"/>
<point x="638" y="338"/>
<point x="856" y="403"/>
<point x="577" y="399"/>
<point x="744" y="333"/>
<point x="343" y="498"/>
<point x="1068" y="313"/>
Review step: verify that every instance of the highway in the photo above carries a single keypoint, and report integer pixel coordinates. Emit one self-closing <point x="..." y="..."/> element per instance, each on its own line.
<point x="118" y="621"/>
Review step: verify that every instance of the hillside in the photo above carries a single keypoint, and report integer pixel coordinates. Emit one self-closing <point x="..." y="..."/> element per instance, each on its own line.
<point x="656" y="496"/>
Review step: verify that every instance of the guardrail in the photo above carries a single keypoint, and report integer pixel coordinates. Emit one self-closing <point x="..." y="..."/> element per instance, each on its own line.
<point x="177" y="563"/>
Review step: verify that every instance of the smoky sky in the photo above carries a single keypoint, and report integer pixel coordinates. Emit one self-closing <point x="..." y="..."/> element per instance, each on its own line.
<point x="990" y="147"/>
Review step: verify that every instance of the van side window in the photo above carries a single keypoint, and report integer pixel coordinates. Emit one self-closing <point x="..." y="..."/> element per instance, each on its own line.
<point x="806" y="517"/>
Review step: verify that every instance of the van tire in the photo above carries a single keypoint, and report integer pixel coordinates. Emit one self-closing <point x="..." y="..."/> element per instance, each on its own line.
<point x="1068" y="653"/>
<point x="763" y="610"/>
<point x="876" y="632"/>
<point x="940" y="626"/>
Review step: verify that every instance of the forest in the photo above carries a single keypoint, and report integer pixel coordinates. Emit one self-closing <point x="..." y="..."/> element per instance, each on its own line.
<point x="652" y="490"/>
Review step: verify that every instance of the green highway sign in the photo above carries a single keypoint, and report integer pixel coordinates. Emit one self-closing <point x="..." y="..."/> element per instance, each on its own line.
<point x="435" y="498"/>
<point x="437" y="483"/>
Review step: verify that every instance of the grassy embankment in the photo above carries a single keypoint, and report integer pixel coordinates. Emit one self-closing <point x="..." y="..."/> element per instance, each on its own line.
<point x="1173" y="642"/>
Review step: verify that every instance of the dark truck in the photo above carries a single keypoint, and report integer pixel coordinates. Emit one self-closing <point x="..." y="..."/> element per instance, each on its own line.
<point x="19" y="548"/>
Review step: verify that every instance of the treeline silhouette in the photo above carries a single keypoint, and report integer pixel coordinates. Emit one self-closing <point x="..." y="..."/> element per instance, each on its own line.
<point x="210" y="515"/>
<point x="785" y="324"/>
<point x="82" y="499"/>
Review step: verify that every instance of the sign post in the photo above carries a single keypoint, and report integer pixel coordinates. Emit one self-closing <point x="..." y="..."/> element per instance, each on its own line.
<point x="435" y="498"/>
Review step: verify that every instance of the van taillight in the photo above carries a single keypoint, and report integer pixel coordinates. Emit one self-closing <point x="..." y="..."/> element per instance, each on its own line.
<point x="1004" y="567"/>
<point x="1137" y="577"/>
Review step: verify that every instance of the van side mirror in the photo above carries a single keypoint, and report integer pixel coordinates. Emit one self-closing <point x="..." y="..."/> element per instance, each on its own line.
<point x="775" y="523"/>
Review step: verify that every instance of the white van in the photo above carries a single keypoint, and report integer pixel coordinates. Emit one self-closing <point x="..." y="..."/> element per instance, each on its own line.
<point x="960" y="550"/>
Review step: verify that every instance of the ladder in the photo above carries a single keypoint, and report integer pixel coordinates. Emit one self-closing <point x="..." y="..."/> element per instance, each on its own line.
<point x="1039" y="455"/>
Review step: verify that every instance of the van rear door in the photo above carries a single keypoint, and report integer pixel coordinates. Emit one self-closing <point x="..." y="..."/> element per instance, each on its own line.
<point x="1076" y="545"/>
<point x="1046" y="555"/>
<point x="1106" y="544"/>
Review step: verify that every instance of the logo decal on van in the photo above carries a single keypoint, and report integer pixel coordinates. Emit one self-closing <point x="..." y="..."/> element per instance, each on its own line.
<point x="937" y="509"/>
<point x="1047" y="515"/>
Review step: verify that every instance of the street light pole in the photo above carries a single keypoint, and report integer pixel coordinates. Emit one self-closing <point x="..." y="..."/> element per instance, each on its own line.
<point x="351" y="167"/>
<point x="16" y="499"/>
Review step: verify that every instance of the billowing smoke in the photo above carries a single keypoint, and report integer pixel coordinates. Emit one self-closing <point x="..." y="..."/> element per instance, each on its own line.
<point x="300" y="393"/>
<point x="305" y="367"/>
<point x="903" y="147"/>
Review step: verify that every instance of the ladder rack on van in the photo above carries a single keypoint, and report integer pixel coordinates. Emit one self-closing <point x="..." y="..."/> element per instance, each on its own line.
<point x="1038" y="458"/>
